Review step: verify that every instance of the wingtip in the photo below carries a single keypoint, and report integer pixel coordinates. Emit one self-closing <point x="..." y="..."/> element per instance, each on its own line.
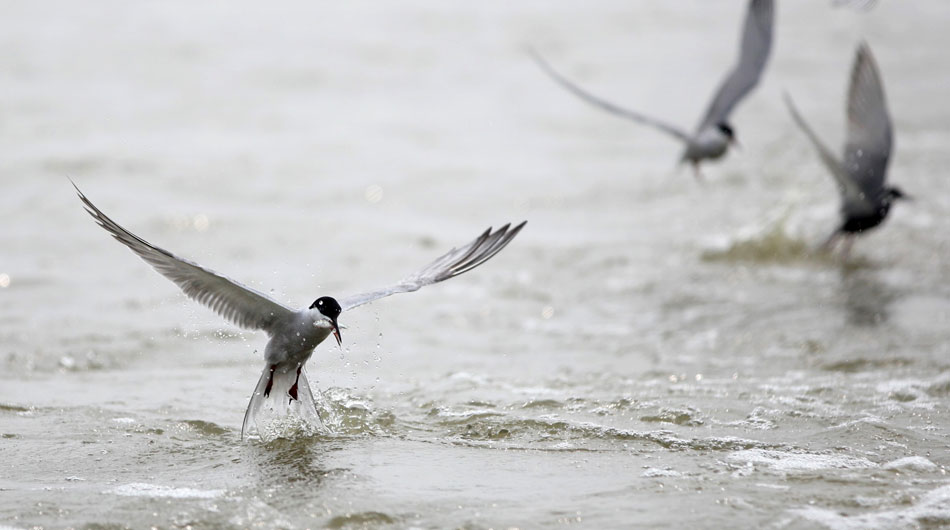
<point x="71" y="181"/>
<point x="863" y="54"/>
<point x="511" y="232"/>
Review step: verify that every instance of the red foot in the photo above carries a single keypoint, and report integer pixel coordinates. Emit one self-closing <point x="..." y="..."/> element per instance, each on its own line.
<point x="270" y="380"/>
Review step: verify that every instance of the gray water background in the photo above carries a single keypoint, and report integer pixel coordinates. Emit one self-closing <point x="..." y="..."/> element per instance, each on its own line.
<point x="649" y="352"/>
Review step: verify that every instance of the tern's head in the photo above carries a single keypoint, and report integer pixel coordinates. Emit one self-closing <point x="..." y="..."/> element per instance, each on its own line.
<point x="727" y="131"/>
<point x="329" y="308"/>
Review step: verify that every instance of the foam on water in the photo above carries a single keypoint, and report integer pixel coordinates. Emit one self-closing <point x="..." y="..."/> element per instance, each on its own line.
<point x="915" y="464"/>
<point x="140" y="489"/>
<point x="932" y="510"/>
<point x="772" y="245"/>
<point x="788" y="461"/>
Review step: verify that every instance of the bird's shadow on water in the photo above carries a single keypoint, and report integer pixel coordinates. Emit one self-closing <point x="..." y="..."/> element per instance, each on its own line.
<point x="866" y="300"/>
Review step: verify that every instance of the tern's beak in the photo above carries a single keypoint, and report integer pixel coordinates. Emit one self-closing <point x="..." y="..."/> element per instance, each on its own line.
<point x="336" y="333"/>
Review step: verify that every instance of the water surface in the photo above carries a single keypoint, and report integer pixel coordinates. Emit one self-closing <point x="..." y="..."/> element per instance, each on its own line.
<point x="650" y="351"/>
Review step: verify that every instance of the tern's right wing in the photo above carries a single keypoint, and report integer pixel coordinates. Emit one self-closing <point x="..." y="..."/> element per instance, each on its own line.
<point x="241" y="305"/>
<point x="449" y="265"/>
<point x="604" y="104"/>
<point x="870" y="133"/>
<point x="850" y="191"/>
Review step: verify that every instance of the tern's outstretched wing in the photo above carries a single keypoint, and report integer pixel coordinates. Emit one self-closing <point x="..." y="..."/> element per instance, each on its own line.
<point x="604" y="104"/>
<point x="850" y="191"/>
<point x="753" y="54"/>
<point x="450" y="265"/>
<point x="241" y="305"/>
<point x="867" y="148"/>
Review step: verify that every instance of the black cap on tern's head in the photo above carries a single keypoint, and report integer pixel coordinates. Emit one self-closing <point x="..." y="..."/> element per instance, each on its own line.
<point x="330" y="308"/>
<point x="727" y="130"/>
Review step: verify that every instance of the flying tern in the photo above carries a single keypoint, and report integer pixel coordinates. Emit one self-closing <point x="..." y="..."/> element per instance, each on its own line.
<point x="714" y="133"/>
<point x="860" y="175"/>
<point x="293" y="333"/>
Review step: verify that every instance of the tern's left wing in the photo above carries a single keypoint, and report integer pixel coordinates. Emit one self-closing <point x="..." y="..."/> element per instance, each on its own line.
<point x="850" y="191"/>
<point x="239" y="304"/>
<point x="450" y="265"/>
<point x="753" y="54"/>
<point x="604" y="104"/>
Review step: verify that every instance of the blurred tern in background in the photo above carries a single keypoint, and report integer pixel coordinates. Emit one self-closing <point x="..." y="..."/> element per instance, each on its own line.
<point x="283" y="388"/>
<point x="714" y="133"/>
<point x="865" y="199"/>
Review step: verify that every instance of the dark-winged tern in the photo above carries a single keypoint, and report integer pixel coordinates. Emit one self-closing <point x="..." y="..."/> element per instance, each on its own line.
<point x="865" y="199"/>
<point x="714" y="133"/>
<point x="293" y="334"/>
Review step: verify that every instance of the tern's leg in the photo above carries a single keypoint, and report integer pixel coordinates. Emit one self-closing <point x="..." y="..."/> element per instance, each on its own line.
<point x="829" y="243"/>
<point x="697" y="173"/>
<point x="846" y="248"/>
<point x="270" y="380"/>
<point x="293" y="389"/>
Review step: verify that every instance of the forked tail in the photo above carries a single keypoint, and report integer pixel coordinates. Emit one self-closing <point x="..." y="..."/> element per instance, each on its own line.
<point x="282" y="397"/>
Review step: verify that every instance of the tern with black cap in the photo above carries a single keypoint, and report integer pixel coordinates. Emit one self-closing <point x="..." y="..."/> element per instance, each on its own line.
<point x="714" y="134"/>
<point x="293" y="334"/>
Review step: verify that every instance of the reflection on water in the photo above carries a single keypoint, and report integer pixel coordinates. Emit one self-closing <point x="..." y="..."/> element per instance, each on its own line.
<point x="866" y="298"/>
<point x="284" y="461"/>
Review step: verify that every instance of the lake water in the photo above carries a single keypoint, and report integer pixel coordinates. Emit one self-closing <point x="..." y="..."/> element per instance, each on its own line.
<point x="651" y="351"/>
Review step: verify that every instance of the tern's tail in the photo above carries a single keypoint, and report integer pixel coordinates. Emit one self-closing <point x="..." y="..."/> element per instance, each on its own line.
<point x="282" y="399"/>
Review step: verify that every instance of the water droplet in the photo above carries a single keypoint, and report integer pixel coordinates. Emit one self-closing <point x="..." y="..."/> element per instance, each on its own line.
<point x="547" y="312"/>
<point x="374" y="193"/>
<point x="4" y="280"/>
<point x="201" y="222"/>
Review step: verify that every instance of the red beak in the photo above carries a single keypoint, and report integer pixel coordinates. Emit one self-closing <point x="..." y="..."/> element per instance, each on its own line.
<point x="336" y="334"/>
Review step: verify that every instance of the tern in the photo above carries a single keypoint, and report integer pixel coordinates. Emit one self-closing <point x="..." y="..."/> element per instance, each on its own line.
<point x="714" y="133"/>
<point x="293" y="334"/>
<point x="860" y="175"/>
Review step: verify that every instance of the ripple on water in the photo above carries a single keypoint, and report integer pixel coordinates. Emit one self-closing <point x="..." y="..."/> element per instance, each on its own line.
<point x="360" y="520"/>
